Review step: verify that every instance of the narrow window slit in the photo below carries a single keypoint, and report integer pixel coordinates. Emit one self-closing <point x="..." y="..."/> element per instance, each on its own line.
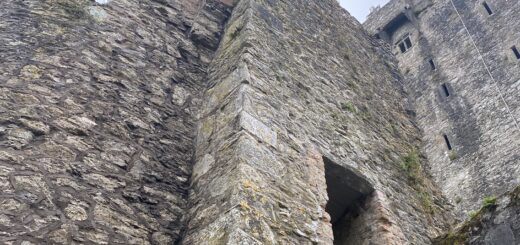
<point x="445" y="90"/>
<point x="488" y="8"/>
<point x="516" y="52"/>
<point x="448" y="143"/>
<point x="432" y="65"/>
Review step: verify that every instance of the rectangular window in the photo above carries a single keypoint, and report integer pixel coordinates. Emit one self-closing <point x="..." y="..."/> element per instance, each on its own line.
<point x="408" y="42"/>
<point x="432" y="65"/>
<point x="448" y="144"/>
<point x="516" y="52"/>
<point x="405" y="44"/>
<point x="445" y="90"/>
<point x="402" y="47"/>
<point x="488" y="8"/>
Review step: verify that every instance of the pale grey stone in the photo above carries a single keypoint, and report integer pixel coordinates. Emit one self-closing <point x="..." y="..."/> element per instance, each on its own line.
<point x="179" y="95"/>
<point x="258" y="129"/>
<point x="76" y="212"/>
<point x="98" y="13"/>
<point x="36" y="127"/>
<point x="18" y="137"/>
<point x="202" y="167"/>
<point x="500" y="235"/>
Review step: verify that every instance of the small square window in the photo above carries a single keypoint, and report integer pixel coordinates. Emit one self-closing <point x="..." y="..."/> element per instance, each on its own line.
<point x="405" y="44"/>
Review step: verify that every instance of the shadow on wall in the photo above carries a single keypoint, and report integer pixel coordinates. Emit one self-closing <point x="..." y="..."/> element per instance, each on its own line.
<point x="347" y="192"/>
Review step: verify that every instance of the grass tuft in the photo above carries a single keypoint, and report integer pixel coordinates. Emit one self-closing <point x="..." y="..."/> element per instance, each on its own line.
<point x="348" y="106"/>
<point x="489" y="202"/>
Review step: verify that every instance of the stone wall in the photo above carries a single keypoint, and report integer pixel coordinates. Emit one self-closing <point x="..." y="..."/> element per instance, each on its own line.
<point x="293" y="81"/>
<point x="97" y="117"/>
<point x="497" y="222"/>
<point x="472" y="54"/>
<point x="196" y="122"/>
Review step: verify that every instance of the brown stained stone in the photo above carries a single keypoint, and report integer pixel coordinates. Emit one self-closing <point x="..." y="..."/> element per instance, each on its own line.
<point x="59" y="236"/>
<point x="31" y="72"/>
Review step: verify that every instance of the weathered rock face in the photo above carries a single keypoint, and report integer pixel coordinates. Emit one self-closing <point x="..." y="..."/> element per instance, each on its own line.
<point x="97" y="117"/>
<point x="497" y="222"/>
<point x="463" y="77"/>
<point x="295" y="83"/>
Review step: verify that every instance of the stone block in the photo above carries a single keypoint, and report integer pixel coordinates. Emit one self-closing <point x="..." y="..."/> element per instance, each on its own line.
<point x="76" y="124"/>
<point x="37" y="127"/>
<point x="240" y="237"/>
<point x="202" y="167"/>
<point x="258" y="129"/>
<point x="258" y="156"/>
<point x="226" y="86"/>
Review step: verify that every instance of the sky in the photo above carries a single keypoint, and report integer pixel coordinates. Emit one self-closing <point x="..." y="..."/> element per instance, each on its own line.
<point x="360" y="8"/>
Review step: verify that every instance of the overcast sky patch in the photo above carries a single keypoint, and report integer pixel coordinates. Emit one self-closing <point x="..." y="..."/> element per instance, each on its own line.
<point x="361" y="8"/>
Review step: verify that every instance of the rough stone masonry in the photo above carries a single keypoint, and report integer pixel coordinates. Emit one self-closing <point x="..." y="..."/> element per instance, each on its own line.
<point x="246" y="122"/>
<point x="98" y="113"/>
<point x="461" y="68"/>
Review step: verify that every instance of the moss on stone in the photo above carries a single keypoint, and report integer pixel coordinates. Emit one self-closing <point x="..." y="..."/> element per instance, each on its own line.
<point x="472" y="214"/>
<point x="453" y="155"/>
<point x="489" y="201"/>
<point x="411" y="164"/>
<point x="427" y="202"/>
<point x="453" y="239"/>
<point x="460" y="234"/>
<point x="31" y="72"/>
<point x="348" y="106"/>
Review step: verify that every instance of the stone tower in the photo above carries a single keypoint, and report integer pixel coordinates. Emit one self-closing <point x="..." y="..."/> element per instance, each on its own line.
<point x="461" y="61"/>
<point x="462" y="73"/>
<point x="250" y="121"/>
